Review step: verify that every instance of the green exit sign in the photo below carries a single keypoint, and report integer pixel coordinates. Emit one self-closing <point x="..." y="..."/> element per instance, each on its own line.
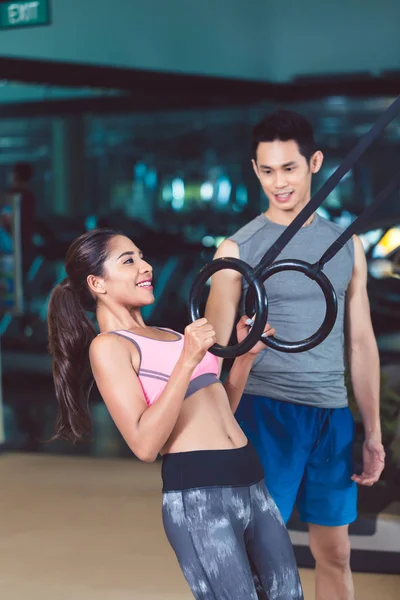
<point x="21" y="13"/>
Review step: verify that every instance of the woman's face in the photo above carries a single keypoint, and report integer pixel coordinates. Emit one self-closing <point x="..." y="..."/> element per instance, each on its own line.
<point x="128" y="277"/>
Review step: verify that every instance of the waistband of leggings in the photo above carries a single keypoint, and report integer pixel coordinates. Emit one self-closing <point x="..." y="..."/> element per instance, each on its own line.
<point x="211" y="468"/>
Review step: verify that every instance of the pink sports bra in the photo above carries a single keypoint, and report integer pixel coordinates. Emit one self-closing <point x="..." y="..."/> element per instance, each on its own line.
<point x="159" y="357"/>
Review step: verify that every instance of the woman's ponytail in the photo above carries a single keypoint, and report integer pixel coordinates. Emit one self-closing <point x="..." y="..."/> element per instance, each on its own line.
<point x="70" y="335"/>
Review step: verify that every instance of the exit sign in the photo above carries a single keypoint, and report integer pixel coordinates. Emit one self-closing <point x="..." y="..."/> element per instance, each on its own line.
<point x="21" y="13"/>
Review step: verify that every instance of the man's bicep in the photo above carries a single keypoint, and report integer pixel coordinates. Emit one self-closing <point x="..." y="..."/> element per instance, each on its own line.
<point x="223" y="303"/>
<point x="358" y="319"/>
<point x="224" y="297"/>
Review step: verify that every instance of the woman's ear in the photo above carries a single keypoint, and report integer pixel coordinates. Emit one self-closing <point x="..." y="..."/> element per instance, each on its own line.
<point x="96" y="284"/>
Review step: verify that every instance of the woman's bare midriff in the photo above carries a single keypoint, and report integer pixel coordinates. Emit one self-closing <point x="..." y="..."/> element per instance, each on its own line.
<point x="206" y="422"/>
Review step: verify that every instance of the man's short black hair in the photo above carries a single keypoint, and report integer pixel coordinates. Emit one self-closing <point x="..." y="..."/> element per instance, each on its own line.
<point x="23" y="172"/>
<point x="285" y="125"/>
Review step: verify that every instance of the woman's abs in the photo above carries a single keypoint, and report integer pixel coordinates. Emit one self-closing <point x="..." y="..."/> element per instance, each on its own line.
<point x="206" y="422"/>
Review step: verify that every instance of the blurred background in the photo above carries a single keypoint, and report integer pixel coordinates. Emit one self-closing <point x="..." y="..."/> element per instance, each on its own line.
<point x="138" y="116"/>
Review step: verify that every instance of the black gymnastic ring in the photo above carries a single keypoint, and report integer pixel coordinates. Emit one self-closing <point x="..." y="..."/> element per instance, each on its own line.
<point x="315" y="273"/>
<point x="260" y="300"/>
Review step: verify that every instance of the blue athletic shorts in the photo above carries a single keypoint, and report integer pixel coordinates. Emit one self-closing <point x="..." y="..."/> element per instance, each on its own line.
<point x="307" y="455"/>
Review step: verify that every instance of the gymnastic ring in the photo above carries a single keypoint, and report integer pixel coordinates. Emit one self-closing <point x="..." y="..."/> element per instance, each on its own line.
<point x="314" y="272"/>
<point x="261" y="303"/>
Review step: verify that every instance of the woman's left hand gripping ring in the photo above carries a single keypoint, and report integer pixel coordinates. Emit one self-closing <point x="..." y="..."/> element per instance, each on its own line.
<point x="260" y="303"/>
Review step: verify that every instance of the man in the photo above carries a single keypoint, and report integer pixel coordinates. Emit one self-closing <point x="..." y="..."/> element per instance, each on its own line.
<point x="294" y="409"/>
<point x="20" y="184"/>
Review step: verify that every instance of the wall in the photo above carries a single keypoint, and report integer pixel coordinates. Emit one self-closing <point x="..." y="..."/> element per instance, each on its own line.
<point x="215" y="37"/>
<point x="343" y="36"/>
<point x="257" y="39"/>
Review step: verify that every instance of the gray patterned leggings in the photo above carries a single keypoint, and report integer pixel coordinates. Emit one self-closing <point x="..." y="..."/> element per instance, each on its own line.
<point x="231" y="543"/>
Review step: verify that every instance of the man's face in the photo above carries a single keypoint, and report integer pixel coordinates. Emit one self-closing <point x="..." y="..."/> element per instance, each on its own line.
<point x="285" y="175"/>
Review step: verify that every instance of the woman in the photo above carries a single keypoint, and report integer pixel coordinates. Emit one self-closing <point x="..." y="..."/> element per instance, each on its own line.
<point x="163" y="393"/>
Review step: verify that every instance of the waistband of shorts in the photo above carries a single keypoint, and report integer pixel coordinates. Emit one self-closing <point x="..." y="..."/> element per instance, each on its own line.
<point x="235" y="467"/>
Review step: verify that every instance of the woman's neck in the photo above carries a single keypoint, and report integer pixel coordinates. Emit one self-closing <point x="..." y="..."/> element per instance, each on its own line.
<point x="115" y="318"/>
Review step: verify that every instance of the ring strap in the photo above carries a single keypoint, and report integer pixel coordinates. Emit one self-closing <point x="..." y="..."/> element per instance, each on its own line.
<point x="361" y="220"/>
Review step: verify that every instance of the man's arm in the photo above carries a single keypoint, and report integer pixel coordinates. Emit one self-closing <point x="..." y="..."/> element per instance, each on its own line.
<point x="5" y="216"/>
<point x="364" y="365"/>
<point x="240" y="370"/>
<point x="223" y="300"/>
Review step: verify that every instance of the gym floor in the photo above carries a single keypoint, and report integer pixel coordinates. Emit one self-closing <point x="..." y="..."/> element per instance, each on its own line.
<point x="82" y="528"/>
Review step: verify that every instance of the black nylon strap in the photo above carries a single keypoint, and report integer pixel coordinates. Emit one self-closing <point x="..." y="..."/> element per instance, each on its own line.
<point x="363" y="218"/>
<point x="328" y="186"/>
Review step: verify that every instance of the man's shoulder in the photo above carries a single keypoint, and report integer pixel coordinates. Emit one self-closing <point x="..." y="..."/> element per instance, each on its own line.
<point x="26" y="194"/>
<point x="333" y="231"/>
<point x="325" y="223"/>
<point x="245" y="233"/>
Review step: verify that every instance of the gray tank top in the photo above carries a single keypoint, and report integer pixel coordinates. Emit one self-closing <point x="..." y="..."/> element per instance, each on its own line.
<point x="296" y="310"/>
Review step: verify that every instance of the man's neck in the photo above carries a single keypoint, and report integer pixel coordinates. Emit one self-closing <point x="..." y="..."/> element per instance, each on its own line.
<point x="282" y="217"/>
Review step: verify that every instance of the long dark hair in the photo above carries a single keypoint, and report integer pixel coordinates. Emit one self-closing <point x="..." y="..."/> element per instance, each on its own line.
<point x="71" y="332"/>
